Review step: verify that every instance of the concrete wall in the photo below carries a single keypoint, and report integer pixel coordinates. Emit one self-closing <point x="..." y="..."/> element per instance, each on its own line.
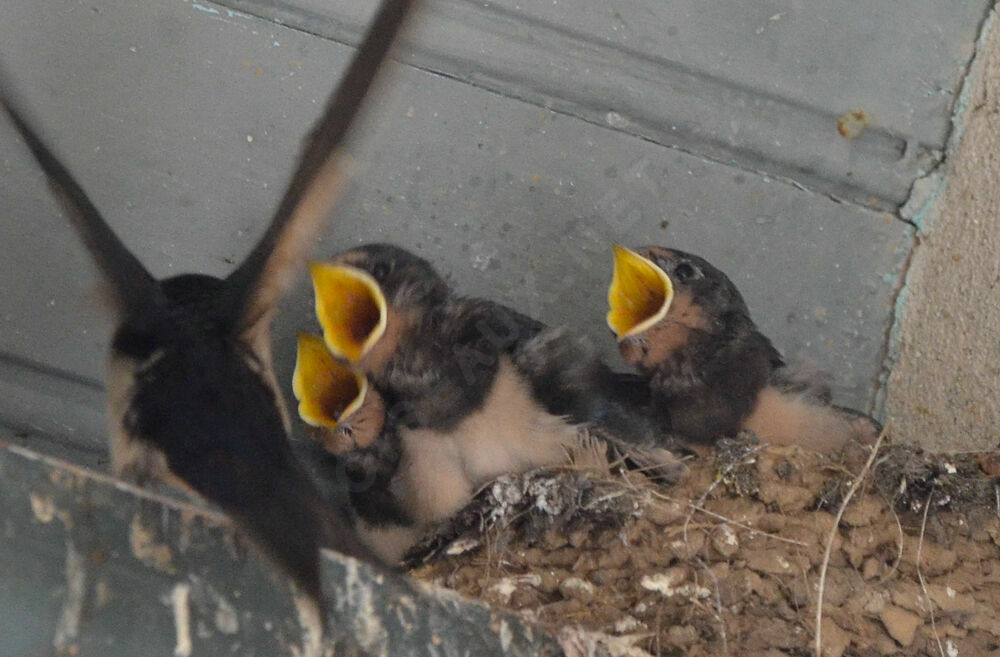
<point x="945" y="378"/>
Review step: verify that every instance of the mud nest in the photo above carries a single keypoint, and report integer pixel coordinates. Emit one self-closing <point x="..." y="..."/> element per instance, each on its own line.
<point x="731" y="560"/>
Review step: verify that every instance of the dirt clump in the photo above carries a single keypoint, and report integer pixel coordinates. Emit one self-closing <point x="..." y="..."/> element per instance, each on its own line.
<point x="730" y="560"/>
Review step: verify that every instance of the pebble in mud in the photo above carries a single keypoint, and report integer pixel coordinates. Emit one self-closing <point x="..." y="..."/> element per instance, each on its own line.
<point x="900" y="624"/>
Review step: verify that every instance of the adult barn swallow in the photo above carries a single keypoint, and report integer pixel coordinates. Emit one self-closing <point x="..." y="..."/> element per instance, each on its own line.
<point x="471" y="388"/>
<point x="685" y="327"/>
<point x="192" y="394"/>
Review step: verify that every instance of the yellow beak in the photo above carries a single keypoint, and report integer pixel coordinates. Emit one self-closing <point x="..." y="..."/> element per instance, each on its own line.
<point x="639" y="296"/>
<point x="328" y="392"/>
<point x="350" y="307"/>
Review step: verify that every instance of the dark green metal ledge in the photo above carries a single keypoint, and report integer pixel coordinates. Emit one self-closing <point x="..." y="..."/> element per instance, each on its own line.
<point x="90" y="565"/>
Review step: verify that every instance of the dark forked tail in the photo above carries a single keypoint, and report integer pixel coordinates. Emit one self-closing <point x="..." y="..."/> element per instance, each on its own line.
<point x="132" y="286"/>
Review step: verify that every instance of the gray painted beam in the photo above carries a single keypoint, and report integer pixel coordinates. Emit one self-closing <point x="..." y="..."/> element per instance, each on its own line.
<point x="760" y="85"/>
<point x="38" y="400"/>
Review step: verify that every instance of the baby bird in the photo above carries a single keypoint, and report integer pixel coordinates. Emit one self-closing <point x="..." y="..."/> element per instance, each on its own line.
<point x="347" y="419"/>
<point x="471" y="389"/>
<point x="192" y="394"/>
<point x="711" y="373"/>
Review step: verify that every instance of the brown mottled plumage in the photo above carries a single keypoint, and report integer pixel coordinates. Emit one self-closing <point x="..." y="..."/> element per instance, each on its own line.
<point x="712" y="373"/>
<point x="474" y="390"/>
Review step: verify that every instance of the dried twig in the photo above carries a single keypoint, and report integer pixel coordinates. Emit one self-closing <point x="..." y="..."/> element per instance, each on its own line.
<point x="730" y="521"/>
<point x="659" y="631"/>
<point x="818" y="646"/>
<point x="899" y="553"/>
<point x="719" y="516"/>
<point x="920" y="575"/>
<point x="718" y="605"/>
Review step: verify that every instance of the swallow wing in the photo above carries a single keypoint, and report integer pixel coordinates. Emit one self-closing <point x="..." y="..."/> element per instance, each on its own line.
<point x="133" y="288"/>
<point x="256" y="285"/>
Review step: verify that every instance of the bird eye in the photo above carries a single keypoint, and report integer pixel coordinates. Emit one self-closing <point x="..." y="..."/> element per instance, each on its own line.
<point x="684" y="272"/>
<point x="381" y="270"/>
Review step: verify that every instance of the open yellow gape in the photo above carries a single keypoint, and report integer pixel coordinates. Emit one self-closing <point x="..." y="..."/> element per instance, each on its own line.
<point x="639" y="296"/>
<point x="328" y="391"/>
<point x="350" y="307"/>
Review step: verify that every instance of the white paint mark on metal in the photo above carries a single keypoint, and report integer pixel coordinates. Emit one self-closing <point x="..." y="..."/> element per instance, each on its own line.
<point x="147" y="549"/>
<point x="43" y="508"/>
<point x="369" y="631"/>
<point x="312" y="626"/>
<point x="180" y="598"/>
<point x="506" y="636"/>
<point x="225" y="617"/>
<point x="68" y="626"/>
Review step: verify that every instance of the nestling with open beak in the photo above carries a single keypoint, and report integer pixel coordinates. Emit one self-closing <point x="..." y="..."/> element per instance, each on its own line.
<point x="192" y="394"/>
<point x="685" y="327"/>
<point x="472" y="389"/>
<point x="347" y="418"/>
